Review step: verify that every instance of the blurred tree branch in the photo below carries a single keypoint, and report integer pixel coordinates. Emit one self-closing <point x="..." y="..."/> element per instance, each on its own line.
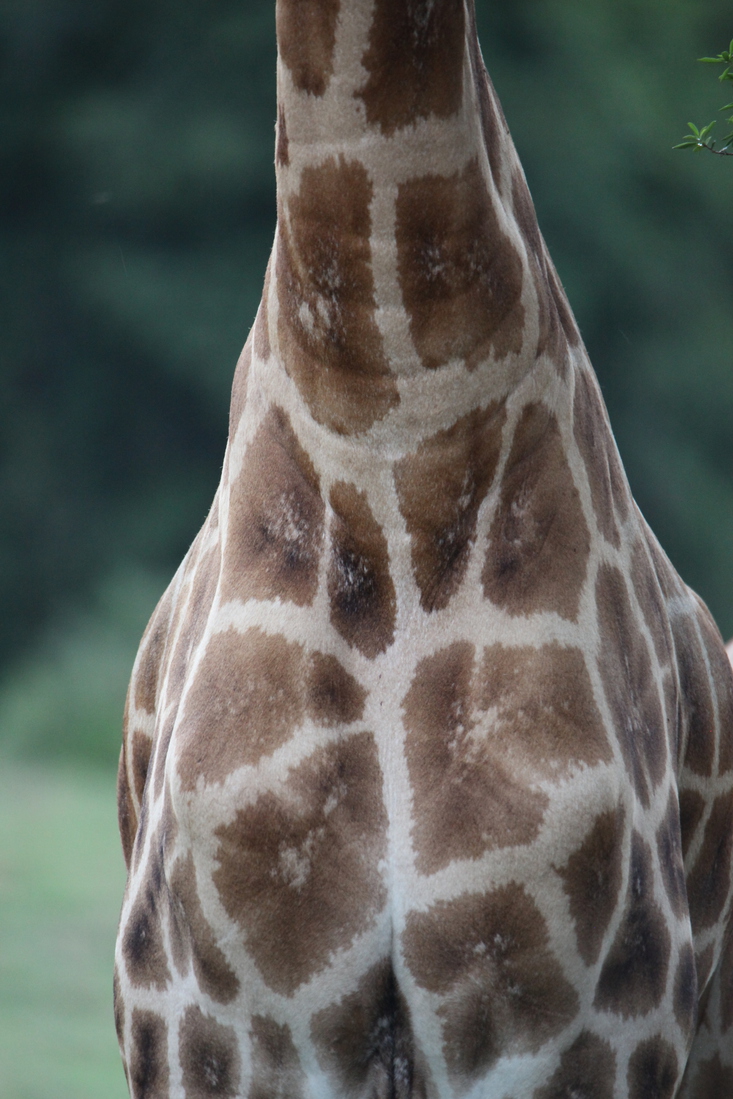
<point x="701" y="138"/>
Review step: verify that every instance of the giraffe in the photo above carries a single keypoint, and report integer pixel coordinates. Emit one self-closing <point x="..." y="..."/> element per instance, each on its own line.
<point x="426" y="787"/>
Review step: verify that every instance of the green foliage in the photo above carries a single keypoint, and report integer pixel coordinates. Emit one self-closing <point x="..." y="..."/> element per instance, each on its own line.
<point x="63" y="878"/>
<point x="137" y="206"/>
<point x="702" y="139"/>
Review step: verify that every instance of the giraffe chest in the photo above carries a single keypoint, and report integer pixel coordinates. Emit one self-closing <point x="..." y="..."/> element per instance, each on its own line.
<point x="355" y="872"/>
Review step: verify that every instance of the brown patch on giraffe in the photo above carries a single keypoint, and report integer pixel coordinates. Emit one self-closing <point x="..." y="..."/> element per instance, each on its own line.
<point x="648" y="591"/>
<point x="143" y="949"/>
<point x="539" y="542"/>
<point x="587" y="1070"/>
<point x="466" y="799"/>
<point x="282" y="144"/>
<point x="697" y="715"/>
<point x="461" y="275"/>
<point x="631" y="692"/>
<point x="565" y="313"/>
<point x="209" y="1056"/>
<point x="276" y="1068"/>
<point x="360" y="587"/>
<point x="334" y="696"/>
<point x="592" y="880"/>
<point x="126" y="814"/>
<point x="276" y="520"/>
<point x="685" y="991"/>
<point x="493" y="124"/>
<point x="692" y="807"/>
<point x="669" y="847"/>
<point x="709" y="880"/>
<point x="142" y="746"/>
<point x="329" y="339"/>
<point x="488" y="956"/>
<point x="598" y="451"/>
<point x="653" y="1070"/>
<point x="147" y="1063"/>
<point x="245" y="702"/>
<point x="298" y="870"/>
<point x="306" y="37"/>
<point x="251" y="691"/>
<point x="365" y="1041"/>
<point x="415" y="62"/>
<point x="261" y="335"/>
<point x="634" y="974"/>
<point x="440" y="489"/>
<point x="721" y="675"/>
<point x="192" y="938"/>
<point x="713" y="1080"/>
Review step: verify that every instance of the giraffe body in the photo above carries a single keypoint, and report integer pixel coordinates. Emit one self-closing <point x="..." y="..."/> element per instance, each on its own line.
<point x="427" y="783"/>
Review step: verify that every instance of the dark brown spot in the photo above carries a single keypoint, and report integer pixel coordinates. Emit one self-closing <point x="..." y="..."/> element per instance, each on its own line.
<point x="306" y="36"/>
<point x="713" y="1080"/>
<point x="282" y="144"/>
<point x="634" y="974"/>
<point x="587" y="1071"/>
<point x="415" y="62"/>
<point x="329" y="339"/>
<point x="209" y="1057"/>
<point x="276" y="518"/>
<point x="638" y="711"/>
<point x="592" y="880"/>
<point x="365" y="1041"/>
<point x="685" y="991"/>
<point x="488" y="955"/>
<point x="298" y="870"/>
<point x="126" y="813"/>
<point x="192" y="937"/>
<point x="538" y="542"/>
<point x="709" y="881"/>
<point x="148" y="1059"/>
<point x="335" y="697"/>
<point x="360" y="586"/>
<point x="598" y="451"/>
<point x="142" y="939"/>
<point x="669" y="847"/>
<point x="466" y="799"/>
<point x="142" y="746"/>
<point x="440" y="489"/>
<point x="692" y="807"/>
<point x="653" y="1070"/>
<point x="697" y="716"/>
<point x="461" y="276"/>
<point x="276" y="1068"/>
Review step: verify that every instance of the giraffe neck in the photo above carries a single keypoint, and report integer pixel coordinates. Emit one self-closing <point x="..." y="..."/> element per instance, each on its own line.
<point x="408" y="283"/>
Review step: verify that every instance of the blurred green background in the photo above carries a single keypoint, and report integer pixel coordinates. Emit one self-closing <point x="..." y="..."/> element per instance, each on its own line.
<point x="136" y="215"/>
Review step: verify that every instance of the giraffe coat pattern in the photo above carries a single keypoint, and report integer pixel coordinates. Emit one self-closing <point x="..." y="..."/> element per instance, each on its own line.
<point x="426" y="789"/>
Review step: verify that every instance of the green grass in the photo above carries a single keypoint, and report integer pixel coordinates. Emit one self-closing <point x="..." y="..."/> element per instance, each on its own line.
<point x="61" y="882"/>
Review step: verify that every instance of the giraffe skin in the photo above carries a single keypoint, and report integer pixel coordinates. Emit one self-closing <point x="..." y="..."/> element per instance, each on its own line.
<point x="427" y="779"/>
